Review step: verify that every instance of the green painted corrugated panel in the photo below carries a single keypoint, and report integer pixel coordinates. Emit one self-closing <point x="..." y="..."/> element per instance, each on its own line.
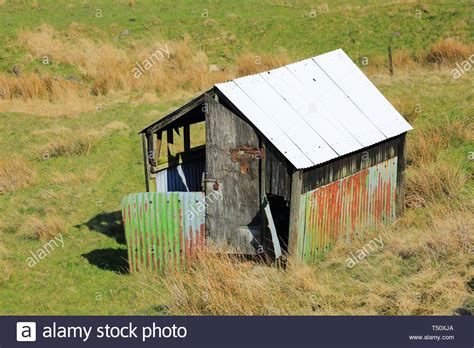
<point x="347" y="208"/>
<point x="163" y="229"/>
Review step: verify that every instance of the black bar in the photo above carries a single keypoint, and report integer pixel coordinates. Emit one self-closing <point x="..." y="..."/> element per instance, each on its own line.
<point x="244" y="331"/>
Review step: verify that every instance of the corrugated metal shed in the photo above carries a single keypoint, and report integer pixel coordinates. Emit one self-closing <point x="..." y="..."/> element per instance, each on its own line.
<point x="317" y="109"/>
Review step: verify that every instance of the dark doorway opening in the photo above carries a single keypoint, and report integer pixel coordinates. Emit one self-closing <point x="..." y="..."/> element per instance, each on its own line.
<point x="280" y="209"/>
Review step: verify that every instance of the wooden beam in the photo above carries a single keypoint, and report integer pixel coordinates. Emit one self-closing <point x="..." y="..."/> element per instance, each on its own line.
<point x="145" y="162"/>
<point x="262" y="174"/>
<point x="151" y="155"/>
<point x="178" y="113"/>
<point x="296" y="185"/>
<point x="159" y="137"/>
<point x="170" y="142"/>
<point x="401" y="163"/>
<point x="175" y="115"/>
<point x="186" y="137"/>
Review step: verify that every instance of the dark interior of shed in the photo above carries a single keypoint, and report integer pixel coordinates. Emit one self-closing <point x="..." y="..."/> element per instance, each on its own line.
<point x="281" y="217"/>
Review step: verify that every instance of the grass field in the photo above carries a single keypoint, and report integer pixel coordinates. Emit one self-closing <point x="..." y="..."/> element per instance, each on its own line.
<point x="69" y="151"/>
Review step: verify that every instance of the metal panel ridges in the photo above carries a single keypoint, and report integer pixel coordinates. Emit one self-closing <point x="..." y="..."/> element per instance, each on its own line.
<point x="163" y="229"/>
<point x="346" y="209"/>
<point x="316" y="109"/>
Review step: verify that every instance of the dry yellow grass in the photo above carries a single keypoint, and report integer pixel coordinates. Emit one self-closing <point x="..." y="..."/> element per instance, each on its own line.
<point x="153" y="66"/>
<point x="16" y="174"/>
<point x="172" y="64"/>
<point x="115" y="126"/>
<point x="68" y="143"/>
<point x="403" y="59"/>
<point x="426" y="142"/>
<point x="444" y="53"/>
<point x="420" y="270"/>
<point x="70" y="107"/>
<point x="43" y="228"/>
<point x="252" y="63"/>
<point x="447" y="51"/>
<point x="62" y="177"/>
<point x="429" y="182"/>
<point x="227" y="285"/>
<point x="407" y="107"/>
<point x="32" y="86"/>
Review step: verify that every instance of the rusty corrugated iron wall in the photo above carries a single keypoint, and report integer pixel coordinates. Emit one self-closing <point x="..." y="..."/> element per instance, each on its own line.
<point x="346" y="208"/>
<point x="163" y="229"/>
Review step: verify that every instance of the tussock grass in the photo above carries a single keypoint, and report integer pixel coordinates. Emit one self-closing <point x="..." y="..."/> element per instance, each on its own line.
<point x="428" y="178"/>
<point x="444" y="53"/>
<point x="104" y="68"/>
<point x="448" y="51"/>
<point x="16" y="174"/>
<point x="115" y="126"/>
<point x="69" y="143"/>
<point x="33" y="86"/>
<point x="63" y="177"/>
<point x="431" y="181"/>
<point x="107" y="69"/>
<point x="44" y="228"/>
<point x="407" y="107"/>
<point x="252" y="63"/>
<point x="175" y="64"/>
<point x="427" y="141"/>
<point x="420" y="270"/>
<point x="225" y="284"/>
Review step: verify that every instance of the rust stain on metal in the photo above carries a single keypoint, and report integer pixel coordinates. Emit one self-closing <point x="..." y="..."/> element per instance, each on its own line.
<point x="243" y="155"/>
<point x="347" y="208"/>
<point x="163" y="229"/>
<point x="246" y="152"/>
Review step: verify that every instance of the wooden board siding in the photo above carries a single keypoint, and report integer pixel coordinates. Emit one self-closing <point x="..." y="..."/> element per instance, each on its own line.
<point x="351" y="164"/>
<point x="278" y="169"/>
<point x="232" y="221"/>
<point x="277" y="172"/>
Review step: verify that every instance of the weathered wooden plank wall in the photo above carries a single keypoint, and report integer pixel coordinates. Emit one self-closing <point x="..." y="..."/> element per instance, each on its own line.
<point x="278" y="172"/>
<point x="234" y="220"/>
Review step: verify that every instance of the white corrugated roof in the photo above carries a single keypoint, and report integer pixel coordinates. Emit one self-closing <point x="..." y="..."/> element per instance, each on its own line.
<point x="317" y="109"/>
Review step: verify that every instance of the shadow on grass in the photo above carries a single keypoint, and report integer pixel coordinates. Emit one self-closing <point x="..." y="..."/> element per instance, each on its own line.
<point x="109" y="224"/>
<point x="109" y="259"/>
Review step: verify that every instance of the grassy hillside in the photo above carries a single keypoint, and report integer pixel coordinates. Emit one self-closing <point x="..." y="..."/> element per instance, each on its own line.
<point x="69" y="151"/>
